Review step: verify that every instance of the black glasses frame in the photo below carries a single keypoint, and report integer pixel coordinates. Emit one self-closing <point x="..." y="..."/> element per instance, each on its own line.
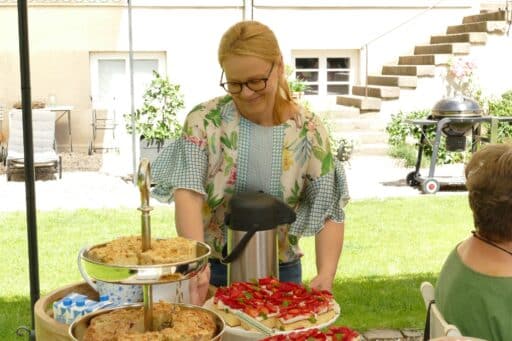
<point x="225" y="85"/>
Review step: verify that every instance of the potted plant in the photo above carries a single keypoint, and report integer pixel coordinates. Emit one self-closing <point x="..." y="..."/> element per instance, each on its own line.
<point x="298" y="86"/>
<point x="156" y="121"/>
<point x="343" y="148"/>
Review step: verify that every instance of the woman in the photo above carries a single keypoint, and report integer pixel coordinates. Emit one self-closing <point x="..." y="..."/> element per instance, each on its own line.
<point x="474" y="290"/>
<point x="257" y="138"/>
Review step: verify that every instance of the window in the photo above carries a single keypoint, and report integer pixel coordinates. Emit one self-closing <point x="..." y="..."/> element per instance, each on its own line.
<point x="325" y="75"/>
<point x="338" y="76"/>
<point x="307" y="69"/>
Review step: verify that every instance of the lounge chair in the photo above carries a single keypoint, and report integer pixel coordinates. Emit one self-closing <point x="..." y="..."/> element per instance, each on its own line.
<point x="45" y="156"/>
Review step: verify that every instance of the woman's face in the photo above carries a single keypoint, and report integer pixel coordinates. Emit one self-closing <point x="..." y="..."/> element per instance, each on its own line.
<point x="256" y="106"/>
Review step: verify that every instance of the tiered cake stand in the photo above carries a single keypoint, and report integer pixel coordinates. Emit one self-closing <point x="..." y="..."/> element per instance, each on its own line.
<point x="145" y="275"/>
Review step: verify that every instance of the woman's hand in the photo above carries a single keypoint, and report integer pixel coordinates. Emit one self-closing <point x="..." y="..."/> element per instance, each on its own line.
<point x="328" y="246"/>
<point x="198" y="286"/>
<point x="320" y="282"/>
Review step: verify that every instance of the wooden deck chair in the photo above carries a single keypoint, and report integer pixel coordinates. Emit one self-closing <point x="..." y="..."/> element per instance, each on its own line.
<point x="43" y="127"/>
<point x="436" y="325"/>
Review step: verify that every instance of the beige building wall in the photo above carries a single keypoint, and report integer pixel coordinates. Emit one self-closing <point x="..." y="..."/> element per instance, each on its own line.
<point x="63" y="34"/>
<point x="60" y="40"/>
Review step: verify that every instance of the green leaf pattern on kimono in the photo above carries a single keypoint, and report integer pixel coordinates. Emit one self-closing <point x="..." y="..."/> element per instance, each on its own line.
<point x="212" y="200"/>
<point x="229" y="141"/>
<point x="211" y="144"/>
<point x="327" y="163"/>
<point x="229" y="164"/>
<point x="294" y="198"/>
<point x="213" y="117"/>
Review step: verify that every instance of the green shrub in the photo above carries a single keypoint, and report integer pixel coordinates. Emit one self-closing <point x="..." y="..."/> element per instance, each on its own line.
<point x="400" y="133"/>
<point x="398" y="129"/>
<point x="407" y="153"/>
<point x="502" y="107"/>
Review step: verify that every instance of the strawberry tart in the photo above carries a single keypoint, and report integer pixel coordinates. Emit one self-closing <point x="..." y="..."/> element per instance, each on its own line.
<point x="280" y="306"/>
<point x="334" y="333"/>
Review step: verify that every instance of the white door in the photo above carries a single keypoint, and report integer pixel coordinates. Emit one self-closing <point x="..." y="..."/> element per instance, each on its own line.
<point x="110" y="94"/>
<point x="110" y="78"/>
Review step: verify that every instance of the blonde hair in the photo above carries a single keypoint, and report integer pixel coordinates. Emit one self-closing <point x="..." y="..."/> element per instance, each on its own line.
<point x="252" y="38"/>
<point x="489" y="182"/>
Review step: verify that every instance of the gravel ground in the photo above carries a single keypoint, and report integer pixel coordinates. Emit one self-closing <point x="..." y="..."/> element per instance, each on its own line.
<point x="71" y="162"/>
<point x="85" y="183"/>
<point x="93" y="182"/>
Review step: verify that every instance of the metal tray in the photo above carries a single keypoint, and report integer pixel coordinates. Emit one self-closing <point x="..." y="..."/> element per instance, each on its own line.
<point x="78" y="328"/>
<point x="145" y="274"/>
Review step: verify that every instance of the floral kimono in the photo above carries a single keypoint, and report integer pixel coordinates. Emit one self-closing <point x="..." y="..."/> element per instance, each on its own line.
<point x="211" y="158"/>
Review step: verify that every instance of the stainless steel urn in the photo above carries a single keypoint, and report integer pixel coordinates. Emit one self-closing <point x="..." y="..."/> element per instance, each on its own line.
<point x="252" y="239"/>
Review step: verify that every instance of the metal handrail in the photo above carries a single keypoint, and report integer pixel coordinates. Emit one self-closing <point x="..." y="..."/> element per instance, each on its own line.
<point x="365" y="45"/>
<point x="508" y="14"/>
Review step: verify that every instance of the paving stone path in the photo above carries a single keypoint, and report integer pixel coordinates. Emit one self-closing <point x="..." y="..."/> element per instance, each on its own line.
<point x="393" y="334"/>
<point x="95" y="182"/>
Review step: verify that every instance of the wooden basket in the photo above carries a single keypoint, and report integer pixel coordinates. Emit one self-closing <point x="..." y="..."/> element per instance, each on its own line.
<point x="47" y="329"/>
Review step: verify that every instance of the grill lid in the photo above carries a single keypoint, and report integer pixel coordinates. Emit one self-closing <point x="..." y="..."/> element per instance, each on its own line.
<point x="456" y="106"/>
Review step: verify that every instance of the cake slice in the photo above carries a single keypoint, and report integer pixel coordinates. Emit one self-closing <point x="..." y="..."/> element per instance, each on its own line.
<point x="165" y="251"/>
<point x="278" y="305"/>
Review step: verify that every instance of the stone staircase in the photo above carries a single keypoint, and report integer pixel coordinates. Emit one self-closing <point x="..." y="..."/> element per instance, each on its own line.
<point x="362" y="115"/>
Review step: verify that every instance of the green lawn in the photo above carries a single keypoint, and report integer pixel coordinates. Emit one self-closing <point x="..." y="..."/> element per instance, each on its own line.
<point x="391" y="246"/>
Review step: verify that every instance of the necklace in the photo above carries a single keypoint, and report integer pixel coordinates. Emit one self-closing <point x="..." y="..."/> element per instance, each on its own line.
<point x="490" y="242"/>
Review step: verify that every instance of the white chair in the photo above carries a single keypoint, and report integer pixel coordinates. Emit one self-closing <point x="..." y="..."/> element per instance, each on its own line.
<point x="43" y="132"/>
<point x="438" y="325"/>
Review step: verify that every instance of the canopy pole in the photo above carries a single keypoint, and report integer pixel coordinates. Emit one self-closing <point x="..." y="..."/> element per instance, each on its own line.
<point x="132" y="93"/>
<point x="30" y="195"/>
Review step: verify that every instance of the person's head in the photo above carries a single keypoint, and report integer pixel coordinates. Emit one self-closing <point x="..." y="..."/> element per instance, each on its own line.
<point x="489" y="182"/>
<point x="249" y="53"/>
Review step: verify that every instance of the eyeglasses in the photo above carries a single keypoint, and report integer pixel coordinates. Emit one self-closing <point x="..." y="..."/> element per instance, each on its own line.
<point x="253" y="84"/>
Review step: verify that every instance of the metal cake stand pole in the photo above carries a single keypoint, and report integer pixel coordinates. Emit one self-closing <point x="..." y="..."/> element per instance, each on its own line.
<point x="144" y="183"/>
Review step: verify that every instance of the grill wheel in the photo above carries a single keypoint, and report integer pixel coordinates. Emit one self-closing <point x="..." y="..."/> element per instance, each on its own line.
<point x="430" y="186"/>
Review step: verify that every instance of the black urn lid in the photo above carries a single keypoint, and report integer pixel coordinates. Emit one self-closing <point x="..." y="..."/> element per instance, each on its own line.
<point x="257" y="211"/>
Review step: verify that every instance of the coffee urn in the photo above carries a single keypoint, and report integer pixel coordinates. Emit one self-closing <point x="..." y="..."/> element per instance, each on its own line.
<point x="252" y="237"/>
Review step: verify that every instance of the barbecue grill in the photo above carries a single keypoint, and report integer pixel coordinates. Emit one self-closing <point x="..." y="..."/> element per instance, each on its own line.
<point x="455" y="119"/>
<point x="464" y="110"/>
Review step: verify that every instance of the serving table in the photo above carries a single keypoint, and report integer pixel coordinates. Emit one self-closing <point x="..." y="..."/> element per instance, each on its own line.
<point x="61" y="111"/>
